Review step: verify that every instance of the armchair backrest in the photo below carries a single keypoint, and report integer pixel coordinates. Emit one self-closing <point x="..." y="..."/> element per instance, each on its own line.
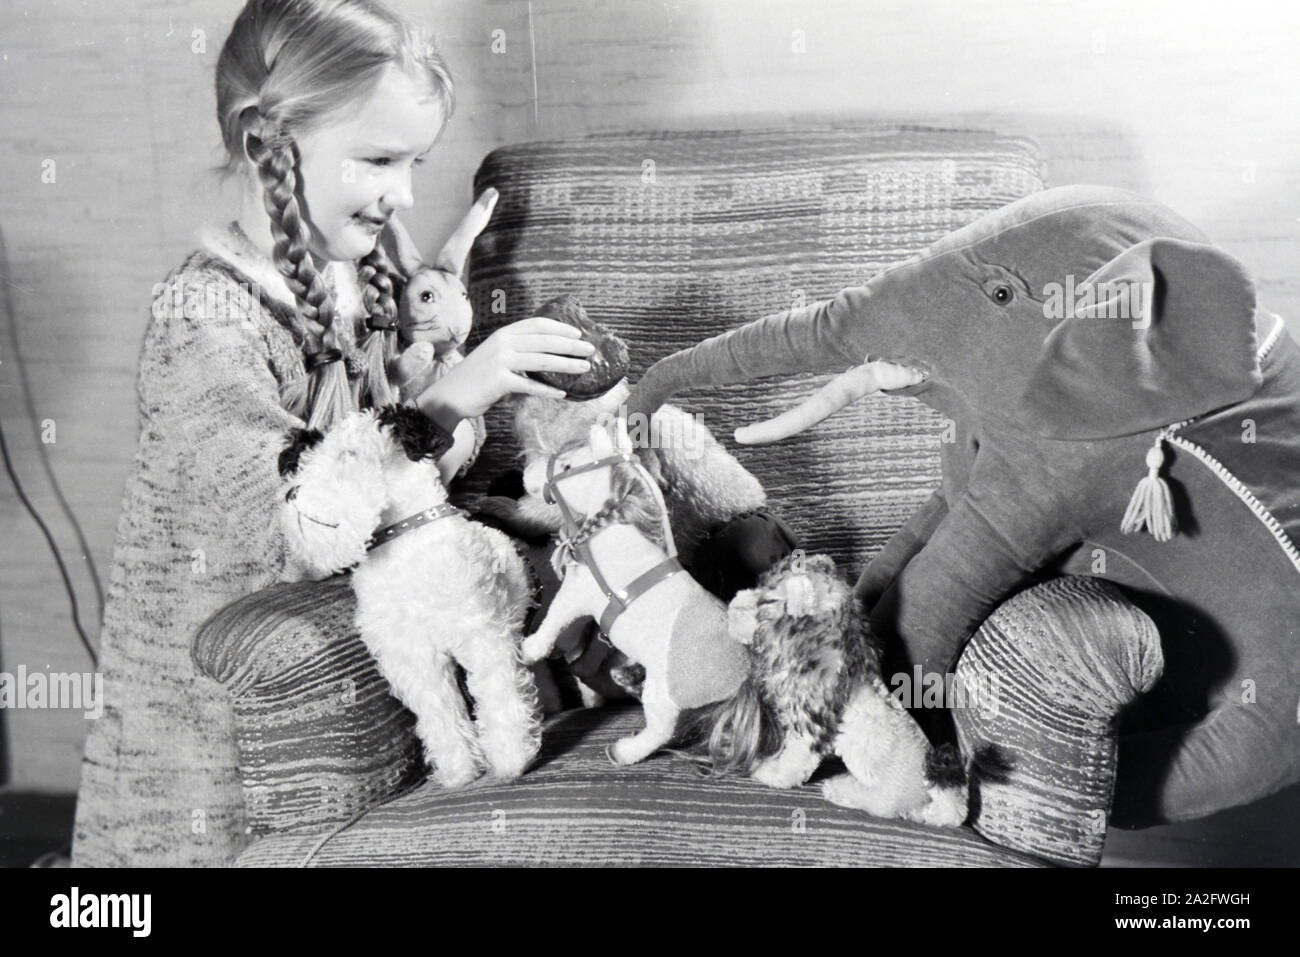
<point x="671" y="237"/>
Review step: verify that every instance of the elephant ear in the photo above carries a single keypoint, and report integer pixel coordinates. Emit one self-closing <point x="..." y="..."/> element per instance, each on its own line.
<point x="1163" y="332"/>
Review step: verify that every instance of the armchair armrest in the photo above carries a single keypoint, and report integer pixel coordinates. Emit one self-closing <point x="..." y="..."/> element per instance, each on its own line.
<point x="320" y="737"/>
<point x="1050" y="671"/>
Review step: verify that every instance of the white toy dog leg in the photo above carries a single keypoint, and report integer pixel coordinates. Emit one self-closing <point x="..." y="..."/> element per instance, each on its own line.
<point x="885" y="751"/>
<point x="661" y="724"/>
<point x="506" y="698"/>
<point x="847" y="791"/>
<point x="791" y="766"/>
<point x="571" y="602"/>
<point x="520" y="595"/>
<point x="948" y="807"/>
<point x="885" y="759"/>
<point x="450" y="738"/>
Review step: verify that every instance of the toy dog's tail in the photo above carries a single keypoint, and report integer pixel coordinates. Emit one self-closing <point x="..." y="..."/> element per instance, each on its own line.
<point x="733" y="735"/>
<point x="743" y="732"/>
<point x="948" y="787"/>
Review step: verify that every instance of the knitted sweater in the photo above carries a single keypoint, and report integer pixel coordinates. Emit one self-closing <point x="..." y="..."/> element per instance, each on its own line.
<point x="159" y="784"/>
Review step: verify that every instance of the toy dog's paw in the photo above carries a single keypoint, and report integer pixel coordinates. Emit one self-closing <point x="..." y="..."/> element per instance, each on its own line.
<point x="457" y="777"/>
<point x="509" y="752"/>
<point x="947" y="808"/>
<point x="777" y="774"/>
<point x="742" y="616"/>
<point x="534" y="648"/>
<point x="844" y="790"/>
<point x="774" y="777"/>
<point x="507" y="770"/>
<point x="847" y="791"/>
<point x="623" y="752"/>
<point x="455" y="768"/>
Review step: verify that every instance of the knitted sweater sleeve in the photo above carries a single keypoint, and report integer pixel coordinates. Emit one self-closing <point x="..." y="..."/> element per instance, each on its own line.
<point x="215" y="401"/>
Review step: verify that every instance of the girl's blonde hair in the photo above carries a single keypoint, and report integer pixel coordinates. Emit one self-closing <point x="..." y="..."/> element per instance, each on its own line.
<point x="288" y="68"/>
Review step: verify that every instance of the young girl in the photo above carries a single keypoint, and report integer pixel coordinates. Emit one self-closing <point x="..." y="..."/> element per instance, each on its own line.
<point x="325" y="106"/>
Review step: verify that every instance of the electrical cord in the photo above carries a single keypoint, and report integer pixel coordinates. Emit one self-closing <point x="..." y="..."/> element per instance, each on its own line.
<point x="12" y="324"/>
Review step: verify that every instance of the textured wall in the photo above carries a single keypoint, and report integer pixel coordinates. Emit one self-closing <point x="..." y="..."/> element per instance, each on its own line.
<point x="1190" y="102"/>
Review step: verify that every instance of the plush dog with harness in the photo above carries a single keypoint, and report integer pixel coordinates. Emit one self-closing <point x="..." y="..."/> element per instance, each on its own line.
<point x="780" y="680"/>
<point x="725" y="533"/>
<point x="619" y="565"/>
<point x="433" y="588"/>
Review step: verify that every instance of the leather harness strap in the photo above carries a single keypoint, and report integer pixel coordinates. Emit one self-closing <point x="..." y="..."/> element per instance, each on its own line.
<point x="618" y="600"/>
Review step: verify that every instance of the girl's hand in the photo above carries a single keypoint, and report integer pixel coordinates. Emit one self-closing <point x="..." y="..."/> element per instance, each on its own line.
<point x="495" y="369"/>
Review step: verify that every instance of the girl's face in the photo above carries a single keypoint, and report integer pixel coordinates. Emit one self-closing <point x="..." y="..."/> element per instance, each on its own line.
<point x="357" y="173"/>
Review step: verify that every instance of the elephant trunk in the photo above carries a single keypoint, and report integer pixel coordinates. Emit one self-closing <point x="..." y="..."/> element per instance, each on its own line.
<point x="787" y="343"/>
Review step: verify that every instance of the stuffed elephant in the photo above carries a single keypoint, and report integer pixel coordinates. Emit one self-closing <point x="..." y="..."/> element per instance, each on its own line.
<point x="1118" y="406"/>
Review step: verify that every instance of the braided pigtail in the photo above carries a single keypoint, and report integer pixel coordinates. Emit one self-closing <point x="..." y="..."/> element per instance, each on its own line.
<point x="380" y="282"/>
<point x="324" y="395"/>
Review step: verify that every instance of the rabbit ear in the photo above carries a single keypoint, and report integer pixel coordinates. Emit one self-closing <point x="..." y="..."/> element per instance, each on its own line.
<point x="402" y="249"/>
<point x="455" y="254"/>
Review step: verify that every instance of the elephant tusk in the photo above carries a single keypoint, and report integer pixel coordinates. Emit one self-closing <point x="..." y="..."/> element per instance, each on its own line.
<point x="845" y="389"/>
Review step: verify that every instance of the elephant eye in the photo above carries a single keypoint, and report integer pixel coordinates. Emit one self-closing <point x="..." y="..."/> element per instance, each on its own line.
<point x="1002" y="294"/>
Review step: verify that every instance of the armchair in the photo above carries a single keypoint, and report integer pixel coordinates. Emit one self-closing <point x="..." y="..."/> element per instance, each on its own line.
<point x="669" y="238"/>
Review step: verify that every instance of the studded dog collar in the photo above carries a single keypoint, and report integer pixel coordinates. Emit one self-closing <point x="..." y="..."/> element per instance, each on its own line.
<point x="386" y="534"/>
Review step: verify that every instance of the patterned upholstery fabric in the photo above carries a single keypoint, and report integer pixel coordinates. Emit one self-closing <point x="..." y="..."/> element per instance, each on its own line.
<point x="668" y="238"/>
<point x="575" y="808"/>
<point x="319" y="735"/>
<point x="725" y="227"/>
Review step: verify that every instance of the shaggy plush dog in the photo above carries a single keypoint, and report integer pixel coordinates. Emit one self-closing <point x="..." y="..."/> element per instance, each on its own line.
<point x="433" y="588"/>
<point x="815" y="690"/>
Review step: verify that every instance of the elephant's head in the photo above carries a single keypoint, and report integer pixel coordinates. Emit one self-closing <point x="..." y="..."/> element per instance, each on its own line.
<point x="1077" y="312"/>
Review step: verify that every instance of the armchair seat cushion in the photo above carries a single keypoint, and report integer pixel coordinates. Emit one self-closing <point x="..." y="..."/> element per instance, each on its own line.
<point x="575" y="808"/>
<point x="326" y="752"/>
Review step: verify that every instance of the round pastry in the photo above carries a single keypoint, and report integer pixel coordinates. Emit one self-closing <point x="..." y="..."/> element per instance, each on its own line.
<point x="609" y="363"/>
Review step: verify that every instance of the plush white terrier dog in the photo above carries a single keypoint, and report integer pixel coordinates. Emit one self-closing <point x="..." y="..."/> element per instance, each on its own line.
<point x="433" y="588"/>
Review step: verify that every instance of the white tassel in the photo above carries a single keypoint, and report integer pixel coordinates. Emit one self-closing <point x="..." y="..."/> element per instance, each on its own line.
<point x="1152" y="505"/>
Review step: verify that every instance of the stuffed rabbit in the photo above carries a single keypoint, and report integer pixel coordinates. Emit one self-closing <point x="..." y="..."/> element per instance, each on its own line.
<point x="434" y="319"/>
